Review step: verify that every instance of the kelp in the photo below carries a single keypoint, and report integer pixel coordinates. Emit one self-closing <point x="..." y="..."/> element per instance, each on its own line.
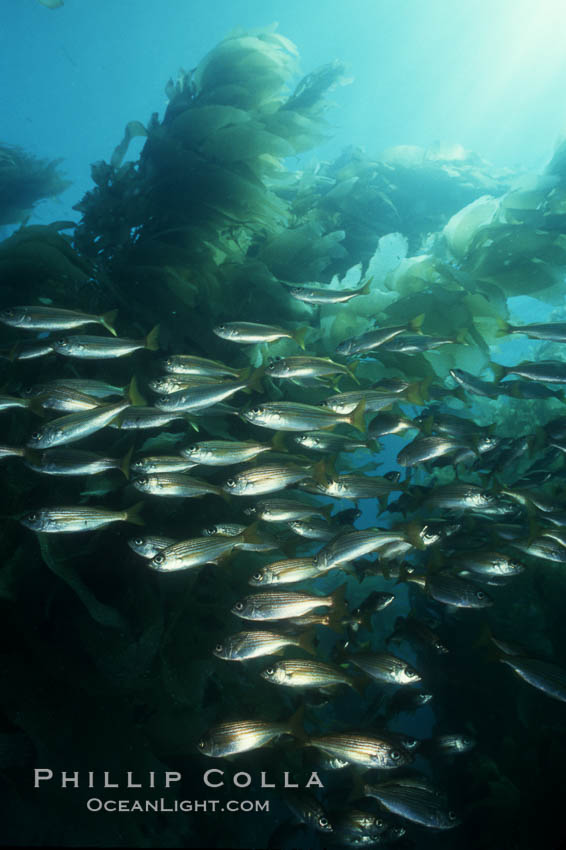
<point x="24" y="181"/>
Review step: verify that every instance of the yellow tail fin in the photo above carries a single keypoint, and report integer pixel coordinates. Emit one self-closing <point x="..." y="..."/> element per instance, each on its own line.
<point x="299" y="336"/>
<point x="133" y="514"/>
<point x="295" y="724"/>
<point x="306" y="641"/>
<point x="152" y="339"/>
<point x="125" y="463"/>
<point x="134" y="395"/>
<point x="107" y="320"/>
<point x="356" y="418"/>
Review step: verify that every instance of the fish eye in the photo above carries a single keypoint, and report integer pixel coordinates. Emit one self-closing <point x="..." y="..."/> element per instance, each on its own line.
<point x="210" y="530"/>
<point x="36" y="435"/>
<point x="33" y="517"/>
<point x="257" y="576"/>
<point x="410" y="743"/>
<point x="452" y="816"/>
<point x="221" y="327"/>
<point x="231" y="482"/>
<point x="256" y="411"/>
<point x="163" y="399"/>
<point x="395" y="755"/>
<point x="201" y="745"/>
<point x="379" y="823"/>
<point x="270" y="671"/>
<point x="239" y="606"/>
<point x="138" y="541"/>
<point x="323" y="822"/>
<point x="159" y="559"/>
<point x="271" y="366"/>
<point x="480" y="594"/>
<point x="62" y="341"/>
<point x="218" y="648"/>
<point x="412" y="674"/>
<point x="143" y="482"/>
<point x="9" y="313"/>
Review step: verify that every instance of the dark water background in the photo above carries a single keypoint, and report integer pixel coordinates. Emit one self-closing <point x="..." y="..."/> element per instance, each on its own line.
<point x="106" y="665"/>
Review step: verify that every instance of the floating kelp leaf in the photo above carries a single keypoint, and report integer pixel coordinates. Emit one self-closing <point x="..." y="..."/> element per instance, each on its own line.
<point x="415" y="274"/>
<point x="133" y="129"/>
<point x="37" y="255"/>
<point x="463" y="227"/>
<point x="315" y="85"/>
<point x="538" y="279"/>
<point x="244" y="141"/>
<point x="405" y="156"/>
<point x="193" y="125"/>
<point x="25" y="180"/>
<point x="303" y="252"/>
<point x="500" y="247"/>
<point x="258" y="63"/>
<point x="301" y="131"/>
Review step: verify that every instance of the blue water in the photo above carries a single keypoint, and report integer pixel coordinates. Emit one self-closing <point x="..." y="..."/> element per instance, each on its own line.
<point x="487" y="74"/>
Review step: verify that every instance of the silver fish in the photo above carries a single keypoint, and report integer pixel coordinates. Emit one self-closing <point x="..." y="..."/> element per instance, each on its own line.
<point x="75" y="426"/>
<point x="104" y="348"/>
<point x="282" y="605"/>
<point x="223" y="452"/>
<point x="54" y="318"/>
<point x="375" y="752"/>
<point x="251" y="333"/>
<point x="387" y="668"/>
<point x="546" y="677"/>
<point x="149" y="546"/>
<point x="175" y="484"/>
<point x="58" y="520"/>
<point x="257" y="644"/>
<point x="310" y="295"/>
<point x="258" y="480"/>
<point x="414" y="802"/>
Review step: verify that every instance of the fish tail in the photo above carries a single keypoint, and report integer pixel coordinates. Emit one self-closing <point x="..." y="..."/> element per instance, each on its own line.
<point x="498" y="370"/>
<point x="295" y="724"/>
<point x="351" y="371"/>
<point x="418" y="393"/>
<point x="374" y="446"/>
<point x="503" y="328"/>
<point x="366" y="288"/>
<point x="306" y="641"/>
<point x="278" y="442"/>
<point x="152" y="339"/>
<point x="125" y="462"/>
<point x="320" y="472"/>
<point x="299" y="336"/>
<point x="417" y="323"/>
<point x="253" y="379"/>
<point x="339" y="603"/>
<point x="250" y="535"/>
<point x="356" y="417"/>
<point x="107" y="321"/>
<point x="134" y="395"/>
<point x="133" y="514"/>
<point x="326" y="510"/>
<point x="36" y="407"/>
